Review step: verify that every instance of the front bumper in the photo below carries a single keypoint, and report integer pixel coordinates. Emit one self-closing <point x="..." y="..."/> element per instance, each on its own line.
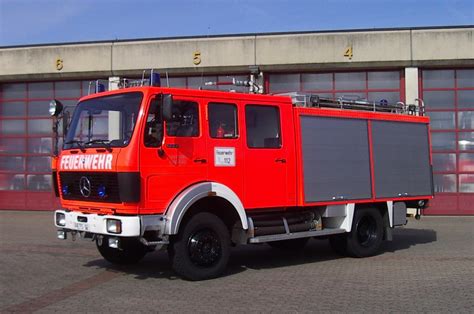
<point x="131" y="226"/>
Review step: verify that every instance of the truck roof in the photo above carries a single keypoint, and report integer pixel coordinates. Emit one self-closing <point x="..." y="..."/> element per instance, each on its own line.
<point x="195" y="93"/>
<point x="269" y="98"/>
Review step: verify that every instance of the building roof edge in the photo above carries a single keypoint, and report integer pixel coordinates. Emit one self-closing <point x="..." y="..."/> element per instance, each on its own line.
<point x="242" y="35"/>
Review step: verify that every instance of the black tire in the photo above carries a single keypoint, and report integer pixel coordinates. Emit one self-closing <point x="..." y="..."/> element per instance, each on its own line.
<point x="131" y="251"/>
<point x="289" y="245"/>
<point x="338" y="243"/>
<point x="366" y="234"/>
<point x="201" y="249"/>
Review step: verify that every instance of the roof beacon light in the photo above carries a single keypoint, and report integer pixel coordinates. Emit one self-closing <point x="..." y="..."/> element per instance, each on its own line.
<point x="99" y="87"/>
<point x="155" y="79"/>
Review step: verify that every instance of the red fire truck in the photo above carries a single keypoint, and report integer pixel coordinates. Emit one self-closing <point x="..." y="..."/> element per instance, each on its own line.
<point x="197" y="172"/>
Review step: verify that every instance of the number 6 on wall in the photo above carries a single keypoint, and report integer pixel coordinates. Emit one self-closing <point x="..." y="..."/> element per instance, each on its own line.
<point x="59" y="64"/>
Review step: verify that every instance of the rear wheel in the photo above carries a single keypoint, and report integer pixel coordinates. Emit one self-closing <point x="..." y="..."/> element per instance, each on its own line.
<point x="289" y="245"/>
<point x="366" y="234"/>
<point x="131" y="251"/>
<point x="201" y="249"/>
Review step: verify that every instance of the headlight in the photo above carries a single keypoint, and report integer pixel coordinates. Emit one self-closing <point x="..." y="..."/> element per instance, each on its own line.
<point x="55" y="108"/>
<point x="60" y="219"/>
<point x="114" y="226"/>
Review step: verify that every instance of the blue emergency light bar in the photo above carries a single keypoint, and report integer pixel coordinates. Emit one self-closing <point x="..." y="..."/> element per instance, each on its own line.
<point x="99" y="87"/>
<point x="155" y="79"/>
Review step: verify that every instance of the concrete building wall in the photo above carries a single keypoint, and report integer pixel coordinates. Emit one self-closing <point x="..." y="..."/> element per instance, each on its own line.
<point x="219" y="54"/>
<point x="177" y="55"/>
<point x="27" y="63"/>
<point x="411" y="85"/>
<point x="449" y="45"/>
<point x="329" y="49"/>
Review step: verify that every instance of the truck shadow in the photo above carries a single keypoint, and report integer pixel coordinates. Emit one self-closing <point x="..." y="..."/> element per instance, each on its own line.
<point x="156" y="265"/>
<point x="404" y="238"/>
<point x="318" y="250"/>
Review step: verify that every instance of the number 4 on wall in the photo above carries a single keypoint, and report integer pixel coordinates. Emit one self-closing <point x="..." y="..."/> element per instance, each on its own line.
<point x="348" y="52"/>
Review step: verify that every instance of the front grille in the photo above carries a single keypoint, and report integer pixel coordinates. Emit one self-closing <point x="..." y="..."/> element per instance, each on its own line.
<point x="107" y="179"/>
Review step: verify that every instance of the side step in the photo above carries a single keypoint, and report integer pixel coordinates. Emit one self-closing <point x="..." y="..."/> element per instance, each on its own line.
<point x="295" y="235"/>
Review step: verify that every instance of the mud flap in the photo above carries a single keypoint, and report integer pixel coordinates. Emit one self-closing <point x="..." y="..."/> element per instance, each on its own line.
<point x="388" y="234"/>
<point x="387" y="231"/>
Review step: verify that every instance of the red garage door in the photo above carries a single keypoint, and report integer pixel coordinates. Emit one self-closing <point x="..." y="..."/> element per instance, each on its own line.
<point x="26" y="141"/>
<point x="449" y="101"/>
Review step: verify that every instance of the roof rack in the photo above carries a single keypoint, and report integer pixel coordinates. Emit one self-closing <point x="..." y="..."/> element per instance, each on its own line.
<point x="354" y="103"/>
<point x="152" y="80"/>
<point x="253" y="87"/>
<point x="98" y="86"/>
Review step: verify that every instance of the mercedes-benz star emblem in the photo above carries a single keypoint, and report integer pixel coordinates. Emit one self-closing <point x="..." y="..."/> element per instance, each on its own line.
<point x="85" y="186"/>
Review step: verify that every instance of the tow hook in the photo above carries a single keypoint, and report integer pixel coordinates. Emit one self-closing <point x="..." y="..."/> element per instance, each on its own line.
<point x="417" y="215"/>
<point x="99" y="240"/>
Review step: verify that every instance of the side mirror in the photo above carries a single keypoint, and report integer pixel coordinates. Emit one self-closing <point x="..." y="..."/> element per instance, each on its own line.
<point x="167" y="107"/>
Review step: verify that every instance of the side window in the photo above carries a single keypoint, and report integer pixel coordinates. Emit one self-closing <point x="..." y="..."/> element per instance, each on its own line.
<point x="154" y="127"/>
<point x="185" y="121"/>
<point x="263" y="126"/>
<point x="223" y="120"/>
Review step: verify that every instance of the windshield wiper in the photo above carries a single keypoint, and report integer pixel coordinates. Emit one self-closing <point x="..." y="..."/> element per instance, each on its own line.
<point x="101" y="141"/>
<point x="80" y="144"/>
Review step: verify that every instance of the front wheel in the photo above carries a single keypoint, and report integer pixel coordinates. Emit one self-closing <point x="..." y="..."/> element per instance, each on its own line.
<point x="366" y="234"/>
<point x="201" y="249"/>
<point x="131" y="251"/>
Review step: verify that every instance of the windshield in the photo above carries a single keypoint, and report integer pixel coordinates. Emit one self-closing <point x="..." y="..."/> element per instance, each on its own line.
<point x="106" y="121"/>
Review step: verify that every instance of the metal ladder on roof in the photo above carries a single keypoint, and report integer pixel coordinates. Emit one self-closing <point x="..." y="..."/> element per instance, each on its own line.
<point x="344" y="102"/>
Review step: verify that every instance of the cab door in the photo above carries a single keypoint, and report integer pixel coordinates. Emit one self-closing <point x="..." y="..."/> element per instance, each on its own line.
<point x="173" y="155"/>
<point x="267" y="160"/>
<point x="224" y="143"/>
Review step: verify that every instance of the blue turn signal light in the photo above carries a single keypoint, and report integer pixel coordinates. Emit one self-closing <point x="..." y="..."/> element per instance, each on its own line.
<point x="102" y="191"/>
<point x="65" y="189"/>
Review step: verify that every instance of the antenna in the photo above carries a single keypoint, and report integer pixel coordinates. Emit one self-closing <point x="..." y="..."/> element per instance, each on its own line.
<point x="143" y="76"/>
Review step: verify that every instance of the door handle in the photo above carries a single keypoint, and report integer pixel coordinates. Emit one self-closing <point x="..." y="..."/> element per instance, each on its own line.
<point x="282" y="160"/>
<point x="200" y="160"/>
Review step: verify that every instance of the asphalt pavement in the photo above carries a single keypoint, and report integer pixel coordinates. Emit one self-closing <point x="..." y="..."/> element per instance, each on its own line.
<point x="428" y="267"/>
